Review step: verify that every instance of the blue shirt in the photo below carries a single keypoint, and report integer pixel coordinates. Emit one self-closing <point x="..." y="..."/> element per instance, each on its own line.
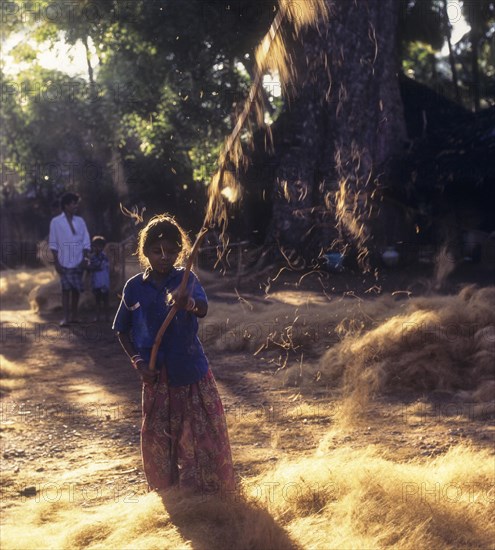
<point x="100" y="272"/>
<point x="143" y="309"/>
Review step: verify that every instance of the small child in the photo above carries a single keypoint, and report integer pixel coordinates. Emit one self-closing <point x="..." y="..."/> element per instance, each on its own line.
<point x="99" y="267"/>
<point x="184" y="439"/>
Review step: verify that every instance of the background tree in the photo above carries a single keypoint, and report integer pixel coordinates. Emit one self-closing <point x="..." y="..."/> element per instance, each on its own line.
<point x="467" y="76"/>
<point x="480" y="14"/>
<point x="164" y="83"/>
<point x="335" y="137"/>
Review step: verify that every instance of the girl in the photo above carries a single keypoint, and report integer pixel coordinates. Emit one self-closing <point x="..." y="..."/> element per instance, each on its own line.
<point x="184" y="438"/>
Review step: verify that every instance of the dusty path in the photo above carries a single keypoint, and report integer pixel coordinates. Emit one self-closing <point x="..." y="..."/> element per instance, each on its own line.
<point x="76" y="417"/>
<point x="73" y="415"/>
<point x="71" y="423"/>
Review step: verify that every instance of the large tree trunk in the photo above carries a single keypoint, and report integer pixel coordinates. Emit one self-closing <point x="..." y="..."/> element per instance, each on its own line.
<point x="453" y="68"/>
<point x="336" y="137"/>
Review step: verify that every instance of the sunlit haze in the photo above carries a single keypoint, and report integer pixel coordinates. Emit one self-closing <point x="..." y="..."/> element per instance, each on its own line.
<point x="71" y="59"/>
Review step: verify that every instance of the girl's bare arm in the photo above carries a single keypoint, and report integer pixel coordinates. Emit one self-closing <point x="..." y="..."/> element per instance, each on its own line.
<point x="147" y="376"/>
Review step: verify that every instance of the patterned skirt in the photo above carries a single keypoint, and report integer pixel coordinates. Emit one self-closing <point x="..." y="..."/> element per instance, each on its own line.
<point x="184" y="439"/>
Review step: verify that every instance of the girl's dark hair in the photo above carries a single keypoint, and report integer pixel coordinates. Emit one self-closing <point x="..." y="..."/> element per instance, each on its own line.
<point x="164" y="227"/>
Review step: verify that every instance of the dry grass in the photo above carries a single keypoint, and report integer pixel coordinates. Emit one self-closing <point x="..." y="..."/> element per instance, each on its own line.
<point x="437" y="343"/>
<point x="369" y="347"/>
<point x="291" y="322"/>
<point x="357" y="499"/>
<point x="47" y="297"/>
<point x="344" y="499"/>
<point x="63" y="525"/>
<point x="200" y="522"/>
<point x="38" y="289"/>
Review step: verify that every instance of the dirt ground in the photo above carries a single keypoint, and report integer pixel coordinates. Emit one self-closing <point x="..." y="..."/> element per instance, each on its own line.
<point x="70" y="418"/>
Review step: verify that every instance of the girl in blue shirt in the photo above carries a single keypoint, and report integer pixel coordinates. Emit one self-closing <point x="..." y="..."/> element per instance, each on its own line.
<point x="184" y="439"/>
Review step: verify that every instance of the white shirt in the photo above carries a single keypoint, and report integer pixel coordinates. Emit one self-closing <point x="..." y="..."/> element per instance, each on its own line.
<point x="67" y="244"/>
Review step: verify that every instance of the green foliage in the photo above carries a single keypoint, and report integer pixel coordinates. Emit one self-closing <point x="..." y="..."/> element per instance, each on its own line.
<point x="35" y="102"/>
<point x="425" y="27"/>
<point x="170" y="78"/>
<point x="417" y="62"/>
<point x="162" y="94"/>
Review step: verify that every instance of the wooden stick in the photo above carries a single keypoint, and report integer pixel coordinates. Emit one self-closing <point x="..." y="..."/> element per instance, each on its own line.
<point x="173" y="310"/>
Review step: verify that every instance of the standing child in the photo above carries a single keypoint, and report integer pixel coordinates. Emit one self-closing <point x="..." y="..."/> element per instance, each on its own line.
<point x="100" y="276"/>
<point x="184" y="439"/>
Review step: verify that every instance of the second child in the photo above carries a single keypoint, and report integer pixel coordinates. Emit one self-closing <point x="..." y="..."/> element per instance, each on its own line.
<point x="99" y="267"/>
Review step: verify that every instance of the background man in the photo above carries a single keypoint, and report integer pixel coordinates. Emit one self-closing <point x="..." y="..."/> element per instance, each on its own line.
<point x="70" y="245"/>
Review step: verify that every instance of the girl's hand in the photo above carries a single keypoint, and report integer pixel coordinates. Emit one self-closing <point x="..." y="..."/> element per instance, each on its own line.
<point x="147" y="376"/>
<point x="183" y="301"/>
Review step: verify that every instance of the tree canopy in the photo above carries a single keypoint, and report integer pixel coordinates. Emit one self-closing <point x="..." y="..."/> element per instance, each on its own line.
<point x="165" y="79"/>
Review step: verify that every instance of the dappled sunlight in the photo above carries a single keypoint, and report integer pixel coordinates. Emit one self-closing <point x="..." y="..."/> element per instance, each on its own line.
<point x="337" y="153"/>
<point x="299" y="299"/>
<point x="12" y="375"/>
<point x="81" y="393"/>
<point x="15" y="285"/>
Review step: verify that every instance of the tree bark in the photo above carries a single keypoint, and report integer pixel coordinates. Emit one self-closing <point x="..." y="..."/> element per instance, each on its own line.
<point x="336" y="137"/>
<point x="453" y="68"/>
<point x="475" y="41"/>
